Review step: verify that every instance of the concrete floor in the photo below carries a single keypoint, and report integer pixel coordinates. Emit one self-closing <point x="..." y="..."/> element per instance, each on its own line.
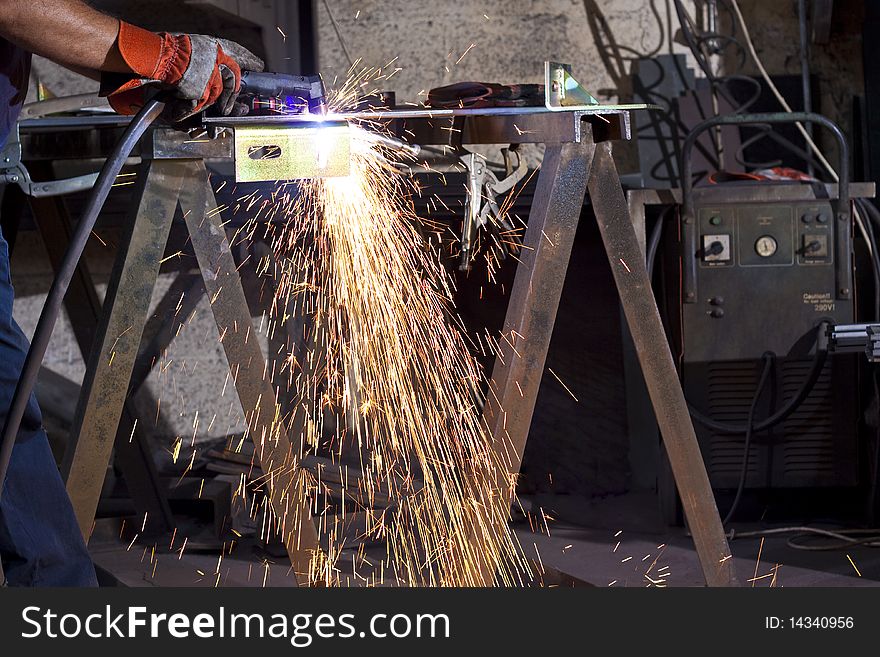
<point x="617" y="542"/>
<point x="620" y="541"/>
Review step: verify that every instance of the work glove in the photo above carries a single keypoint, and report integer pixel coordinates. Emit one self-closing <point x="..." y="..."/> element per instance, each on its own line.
<point x="199" y="70"/>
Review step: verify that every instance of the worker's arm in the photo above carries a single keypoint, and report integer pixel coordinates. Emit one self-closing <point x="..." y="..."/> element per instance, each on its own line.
<point x="200" y="70"/>
<point x="68" y="32"/>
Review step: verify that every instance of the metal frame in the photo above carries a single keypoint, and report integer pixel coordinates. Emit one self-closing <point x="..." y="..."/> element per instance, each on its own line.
<point x="163" y="186"/>
<point x="568" y="171"/>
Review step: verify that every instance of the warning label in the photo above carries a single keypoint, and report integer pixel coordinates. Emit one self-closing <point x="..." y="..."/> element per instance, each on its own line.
<point x="822" y="302"/>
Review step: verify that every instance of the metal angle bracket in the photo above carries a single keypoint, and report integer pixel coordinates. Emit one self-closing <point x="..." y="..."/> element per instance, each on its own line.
<point x="562" y="91"/>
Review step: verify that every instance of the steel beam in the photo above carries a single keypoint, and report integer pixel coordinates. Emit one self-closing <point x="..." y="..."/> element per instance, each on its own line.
<point x="534" y="297"/>
<point x="640" y="308"/>
<point x="279" y="455"/>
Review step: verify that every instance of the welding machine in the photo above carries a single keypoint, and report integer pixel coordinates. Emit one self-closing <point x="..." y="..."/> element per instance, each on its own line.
<point x="753" y="276"/>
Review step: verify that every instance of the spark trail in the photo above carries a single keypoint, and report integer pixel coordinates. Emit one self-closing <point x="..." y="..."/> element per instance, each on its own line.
<point x="383" y="372"/>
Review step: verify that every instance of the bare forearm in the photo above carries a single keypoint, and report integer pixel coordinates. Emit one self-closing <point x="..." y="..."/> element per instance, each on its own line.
<point x="68" y="32"/>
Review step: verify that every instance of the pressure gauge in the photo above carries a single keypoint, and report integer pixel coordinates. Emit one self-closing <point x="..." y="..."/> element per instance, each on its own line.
<point x="766" y="246"/>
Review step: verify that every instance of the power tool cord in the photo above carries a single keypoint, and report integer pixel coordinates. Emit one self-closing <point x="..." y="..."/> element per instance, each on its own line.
<point x="52" y="308"/>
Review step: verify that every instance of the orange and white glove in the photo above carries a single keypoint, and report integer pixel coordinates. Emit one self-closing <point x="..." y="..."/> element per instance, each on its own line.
<point x="200" y="70"/>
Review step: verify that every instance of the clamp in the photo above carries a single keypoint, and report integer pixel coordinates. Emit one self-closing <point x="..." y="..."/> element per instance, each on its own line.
<point x="14" y="172"/>
<point x="483" y="190"/>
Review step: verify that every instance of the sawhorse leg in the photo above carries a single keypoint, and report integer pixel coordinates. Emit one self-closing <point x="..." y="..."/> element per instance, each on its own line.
<point x="83" y="308"/>
<point x="640" y="308"/>
<point x="162" y="185"/>
<point x="278" y="455"/>
<point x="567" y="171"/>
<point x="118" y="336"/>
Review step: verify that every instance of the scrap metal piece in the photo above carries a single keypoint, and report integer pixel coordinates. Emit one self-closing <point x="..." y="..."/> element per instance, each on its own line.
<point x="310" y="150"/>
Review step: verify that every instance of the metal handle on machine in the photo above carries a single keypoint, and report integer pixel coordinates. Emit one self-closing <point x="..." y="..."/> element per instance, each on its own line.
<point x="843" y="257"/>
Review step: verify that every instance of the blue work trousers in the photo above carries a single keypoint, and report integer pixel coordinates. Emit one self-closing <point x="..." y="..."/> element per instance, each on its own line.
<point x="40" y="541"/>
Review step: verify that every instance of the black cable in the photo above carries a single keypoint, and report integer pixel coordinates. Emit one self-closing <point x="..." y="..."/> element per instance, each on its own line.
<point x="750" y="427"/>
<point x="52" y="308"/>
<point x="783" y="413"/>
<point x="654" y="241"/>
<point x="872" y="247"/>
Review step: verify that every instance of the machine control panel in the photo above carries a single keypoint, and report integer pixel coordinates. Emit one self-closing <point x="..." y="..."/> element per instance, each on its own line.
<point x="766" y="235"/>
<point x="716" y="248"/>
<point x="765" y="275"/>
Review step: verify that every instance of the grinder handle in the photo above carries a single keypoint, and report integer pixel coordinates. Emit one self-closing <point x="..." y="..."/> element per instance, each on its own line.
<point x="276" y="85"/>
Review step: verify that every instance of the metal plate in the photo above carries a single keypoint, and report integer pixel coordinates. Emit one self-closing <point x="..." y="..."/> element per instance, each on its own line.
<point x="292" y="152"/>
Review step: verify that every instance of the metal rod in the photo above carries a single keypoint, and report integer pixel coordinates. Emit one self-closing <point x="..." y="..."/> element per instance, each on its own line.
<point x="805" y="76"/>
